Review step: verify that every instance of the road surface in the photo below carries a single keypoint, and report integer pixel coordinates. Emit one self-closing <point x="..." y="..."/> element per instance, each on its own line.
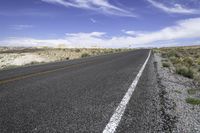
<point x="78" y="96"/>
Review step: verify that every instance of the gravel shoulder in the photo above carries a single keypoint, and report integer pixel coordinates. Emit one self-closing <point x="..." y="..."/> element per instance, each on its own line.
<point x="178" y="115"/>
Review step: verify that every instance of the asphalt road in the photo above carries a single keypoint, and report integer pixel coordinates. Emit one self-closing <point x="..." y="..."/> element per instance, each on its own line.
<point x="77" y="96"/>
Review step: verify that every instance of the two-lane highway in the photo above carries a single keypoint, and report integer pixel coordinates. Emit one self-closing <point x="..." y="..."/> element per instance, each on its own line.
<point x="71" y="96"/>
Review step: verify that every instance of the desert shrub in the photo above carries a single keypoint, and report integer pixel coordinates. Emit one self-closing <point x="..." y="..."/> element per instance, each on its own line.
<point x="175" y="60"/>
<point x="197" y="77"/>
<point x="156" y="50"/>
<point x="111" y="51"/>
<point x="164" y="60"/>
<point x="93" y="52"/>
<point x="196" y="56"/>
<point x="188" y="61"/>
<point x="77" y="50"/>
<point x="198" y="61"/>
<point x="34" y="62"/>
<point x="165" y="64"/>
<point x="118" y="50"/>
<point x="184" y="71"/>
<point x="189" y="74"/>
<point x="173" y="53"/>
<point x="85" y="55"/>
<point x="164" y="55"/>
<point x="193" y="101"/>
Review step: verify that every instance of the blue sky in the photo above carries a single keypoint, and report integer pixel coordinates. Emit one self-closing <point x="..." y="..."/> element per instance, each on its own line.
<point x="99" y="23"/>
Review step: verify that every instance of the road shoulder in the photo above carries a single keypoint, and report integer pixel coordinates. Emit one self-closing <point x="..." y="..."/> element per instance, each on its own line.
<point x="179" y="115"/>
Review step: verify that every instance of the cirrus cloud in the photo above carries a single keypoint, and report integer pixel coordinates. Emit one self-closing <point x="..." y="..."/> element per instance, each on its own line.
<point x="101" y="6"/>
<point x="176" y="8"/>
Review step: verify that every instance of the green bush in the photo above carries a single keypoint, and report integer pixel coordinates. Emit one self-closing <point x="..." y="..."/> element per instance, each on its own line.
<point x="175" y="60"/>
<point x="85" y="55"/>
<point x="188" y="61"/>
<point x="185" y="71"/>
<point x="172" y="53"/>
<point x="165" y="64"/>
<point x="193" y="101"/>
<point x="198" y="61"/>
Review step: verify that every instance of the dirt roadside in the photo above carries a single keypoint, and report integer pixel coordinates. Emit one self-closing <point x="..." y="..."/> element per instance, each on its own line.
<point x="16" y="57"/>
<point x="178" y="115"/>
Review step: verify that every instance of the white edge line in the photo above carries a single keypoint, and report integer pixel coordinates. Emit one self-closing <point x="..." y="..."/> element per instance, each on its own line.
<point x="116" y="117"/>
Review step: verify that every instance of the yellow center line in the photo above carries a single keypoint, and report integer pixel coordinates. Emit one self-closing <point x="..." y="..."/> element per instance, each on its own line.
<point x="12" y="79"/>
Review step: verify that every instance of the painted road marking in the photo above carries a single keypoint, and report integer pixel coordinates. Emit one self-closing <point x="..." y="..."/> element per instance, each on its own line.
<point x="116" y="117"/>
<point x="12" y="79"/>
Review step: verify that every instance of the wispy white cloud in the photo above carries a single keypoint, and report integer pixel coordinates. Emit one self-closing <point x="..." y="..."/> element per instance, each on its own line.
<point x="93" y="20"/>
<point x="101" y="6"/>
<point x="176" y="8"/>
<point x="20" y="27"/>
<point x="133" y="33"/>
<point x="83" y="35"/>
<point x="184" y="29"/>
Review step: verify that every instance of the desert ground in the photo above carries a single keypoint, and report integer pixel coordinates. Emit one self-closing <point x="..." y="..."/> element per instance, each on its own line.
<point x="14" y="57"/>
